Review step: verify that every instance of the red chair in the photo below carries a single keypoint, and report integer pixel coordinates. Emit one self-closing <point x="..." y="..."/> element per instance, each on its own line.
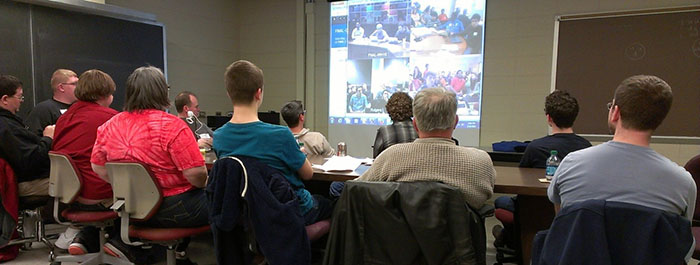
<point x="693" y="166"/>
<point x="64" y="186"/>
<point x="137" y="197"/>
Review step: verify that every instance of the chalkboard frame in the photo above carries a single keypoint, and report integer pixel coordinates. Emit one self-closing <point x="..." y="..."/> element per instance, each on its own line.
<point x="598" y="15"/>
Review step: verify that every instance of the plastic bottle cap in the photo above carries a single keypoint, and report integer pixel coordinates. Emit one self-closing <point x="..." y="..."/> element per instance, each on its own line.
<point x="553" y="152"/>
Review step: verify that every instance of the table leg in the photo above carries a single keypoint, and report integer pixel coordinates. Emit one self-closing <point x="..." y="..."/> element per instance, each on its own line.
<point x="532" y="214"/>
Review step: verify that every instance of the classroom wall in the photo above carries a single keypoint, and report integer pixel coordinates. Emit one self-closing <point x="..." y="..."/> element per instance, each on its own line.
<point x="202" y="39"/>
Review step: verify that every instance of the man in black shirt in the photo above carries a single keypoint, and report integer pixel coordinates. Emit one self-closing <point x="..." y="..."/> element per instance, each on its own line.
<point x="46" y="113"/>
<point x="27" y="153"/>
<point x="561" y="110"/>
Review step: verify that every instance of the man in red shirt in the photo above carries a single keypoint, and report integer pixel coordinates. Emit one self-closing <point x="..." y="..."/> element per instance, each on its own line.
<point x="75" y="135"/>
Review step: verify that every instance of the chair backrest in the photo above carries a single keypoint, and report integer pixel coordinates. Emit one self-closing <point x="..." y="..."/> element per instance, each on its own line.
<point x="404" y="223"/>
<point x="693" y="166"/>
<point x="64" y="179"/>
<point x="134" y="183"/>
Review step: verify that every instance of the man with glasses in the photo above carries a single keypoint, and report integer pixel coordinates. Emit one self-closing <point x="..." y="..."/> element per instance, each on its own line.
<point x="27" y="153"/>
<point x="314" y="143"/>
<point x="45" y="113"/>
<point x="626" y="169"/>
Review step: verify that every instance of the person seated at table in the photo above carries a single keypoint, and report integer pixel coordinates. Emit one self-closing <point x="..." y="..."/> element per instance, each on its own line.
<point x="273" y="145"/>
<point x="560" y="110"/>
<point x="434" y="155"/>
<point x="186" y="104"/>
<point x="400" y="109"/>
<point x="358" y="32"/>
<point x="313" y="143"/>
<point x="626" y="169"/>
<point x="379" y="34"/>
<point x="145" y="133"/>
<point x="75" y="135"/>
<point x="403" y="33"/>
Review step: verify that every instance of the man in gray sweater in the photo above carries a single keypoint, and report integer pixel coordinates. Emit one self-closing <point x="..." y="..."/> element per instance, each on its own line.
<point x="434" y="156"/>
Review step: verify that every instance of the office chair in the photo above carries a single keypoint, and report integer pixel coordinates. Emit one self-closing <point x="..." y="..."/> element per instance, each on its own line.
<point x="137" y="197"/>
<point x="65" y="185"/>
<point x="693" y="166"/>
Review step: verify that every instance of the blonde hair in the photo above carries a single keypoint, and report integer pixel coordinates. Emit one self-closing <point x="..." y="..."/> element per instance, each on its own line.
<point x="61" y="76"/>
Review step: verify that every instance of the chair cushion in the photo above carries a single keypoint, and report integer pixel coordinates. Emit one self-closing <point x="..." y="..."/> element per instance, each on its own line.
<point x="696" y="235"/>
<point x="165" y="234"/>
<point x="88" y="217"/>
<point x="503" y="215"/>
<point x="317" y="230"/>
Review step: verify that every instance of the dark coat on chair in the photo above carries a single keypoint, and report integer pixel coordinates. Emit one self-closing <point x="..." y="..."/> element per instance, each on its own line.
<point x="604" y="232"/>
<point x="268" y="212"/>
<point x="404" y="223"/>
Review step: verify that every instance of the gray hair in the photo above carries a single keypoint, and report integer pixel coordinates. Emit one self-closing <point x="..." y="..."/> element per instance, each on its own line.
<point x="434" y="109"/>
<point x="146" y="89"/>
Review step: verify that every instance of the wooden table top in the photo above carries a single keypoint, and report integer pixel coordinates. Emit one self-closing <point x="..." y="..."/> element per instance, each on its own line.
<point x="513" y="180"/>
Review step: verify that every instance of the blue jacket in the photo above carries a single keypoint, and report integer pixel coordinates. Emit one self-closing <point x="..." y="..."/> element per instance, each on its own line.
<point x="267" y="213"/>
<point x="605" y="232"/>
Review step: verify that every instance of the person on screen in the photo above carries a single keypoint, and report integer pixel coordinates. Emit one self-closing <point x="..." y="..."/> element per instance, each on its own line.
<point x="379" y="34"/>
<point x="457" y="82"/>
<point x="358" y="101"/>
<point x="314" y="143"/>
<point x="434" y="156"/>
<point x="358" y="32"/>
<point x="626" y="169"/>
<point x="145" y="133"/>
<point x="399" y="107"/>
<point x="473" y="34"/>
<point x="560" y="110"/>
<point x="442" y="17"/>
<point x="63" y="82"/>
<point x="274" y="145"/>
<point x="186" y="102"/>
<point x="403" y="33"/>
<point x="453" y="26"/>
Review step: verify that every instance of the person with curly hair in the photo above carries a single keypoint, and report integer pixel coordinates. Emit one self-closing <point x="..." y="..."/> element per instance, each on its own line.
<point x="400" y="109"/>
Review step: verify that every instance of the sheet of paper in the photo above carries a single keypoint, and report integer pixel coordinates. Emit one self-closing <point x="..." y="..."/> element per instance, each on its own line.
<point x="340" y="164"/>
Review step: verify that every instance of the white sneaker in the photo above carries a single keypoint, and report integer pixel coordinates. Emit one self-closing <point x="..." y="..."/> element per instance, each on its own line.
<point x="64" y="240"/>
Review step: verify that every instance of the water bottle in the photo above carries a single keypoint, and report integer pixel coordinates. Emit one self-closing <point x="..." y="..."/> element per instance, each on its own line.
<point x="552" y="164"/>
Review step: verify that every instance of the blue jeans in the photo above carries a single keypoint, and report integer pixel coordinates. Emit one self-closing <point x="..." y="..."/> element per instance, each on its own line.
<point x="322" y="210"/>
<point x="336" y="189"/>
<point x="505" y="202"/>
<point x="188" y="209"/>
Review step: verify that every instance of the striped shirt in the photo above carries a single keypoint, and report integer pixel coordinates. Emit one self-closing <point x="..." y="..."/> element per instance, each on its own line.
<point x="396" y="133"/>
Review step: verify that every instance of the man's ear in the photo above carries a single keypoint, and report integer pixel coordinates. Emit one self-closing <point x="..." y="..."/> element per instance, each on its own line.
<point x="414" y="124"/>
<point x="301" y="117"/>
<point x="258" y="94"/>
<point x="456" y="121"/>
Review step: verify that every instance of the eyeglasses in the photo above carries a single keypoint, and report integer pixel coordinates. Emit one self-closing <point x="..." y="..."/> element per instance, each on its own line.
<point x="21" y="98"/>
<point x="72" y="84"/>
<point x="610" y="105"/>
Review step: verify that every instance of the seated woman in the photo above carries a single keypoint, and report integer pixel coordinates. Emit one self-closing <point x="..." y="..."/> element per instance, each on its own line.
<point x="144" y="132"/>
<point x="400" y="109"/>
<point x="75" y="135"/>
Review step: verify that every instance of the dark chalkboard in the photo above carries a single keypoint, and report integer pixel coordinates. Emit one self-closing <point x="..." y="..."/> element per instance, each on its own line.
<point x="596" y="52"/>
<point x="47" y="38"/>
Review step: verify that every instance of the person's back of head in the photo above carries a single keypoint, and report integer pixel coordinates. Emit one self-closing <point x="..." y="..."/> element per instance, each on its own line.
<point x="291" y="111"/>
<point x="243" y="79"/>
<point x="146" y="88"/>
<point x="94" y="85"/>
<point x="183" y="99"/>
<point x="435" y="109"/>
<point x="562" y="108"/>
<point x="643" y="101"/>
<point x="400" y="107"/>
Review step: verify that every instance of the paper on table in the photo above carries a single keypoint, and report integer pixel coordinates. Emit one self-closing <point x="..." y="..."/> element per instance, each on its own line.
<point x="340" y="164"/>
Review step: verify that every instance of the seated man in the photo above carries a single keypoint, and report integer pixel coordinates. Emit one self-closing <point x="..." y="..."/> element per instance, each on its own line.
<point x="626" y="169"/>
<point x="314" y="143"/>
<point x="401" y="129"/>
<point x="434" y="155"/>
<point x="26" y="152"/>
<point x="274" y="145"/>
<point x="187" y="102"/>
<point x="76" y="131"/>
<point x="561" y="110"/>
<point x="63" y="82"/>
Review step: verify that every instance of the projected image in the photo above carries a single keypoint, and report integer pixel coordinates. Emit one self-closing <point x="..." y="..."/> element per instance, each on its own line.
<point x="381" y="47"/>
<point x="378" y="29"/>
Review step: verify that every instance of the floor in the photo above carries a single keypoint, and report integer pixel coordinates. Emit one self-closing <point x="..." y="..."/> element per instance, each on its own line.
<point x="201" y="251"/>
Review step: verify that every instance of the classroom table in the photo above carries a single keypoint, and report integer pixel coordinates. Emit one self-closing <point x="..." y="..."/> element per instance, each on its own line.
<point x="534" y="211"/>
